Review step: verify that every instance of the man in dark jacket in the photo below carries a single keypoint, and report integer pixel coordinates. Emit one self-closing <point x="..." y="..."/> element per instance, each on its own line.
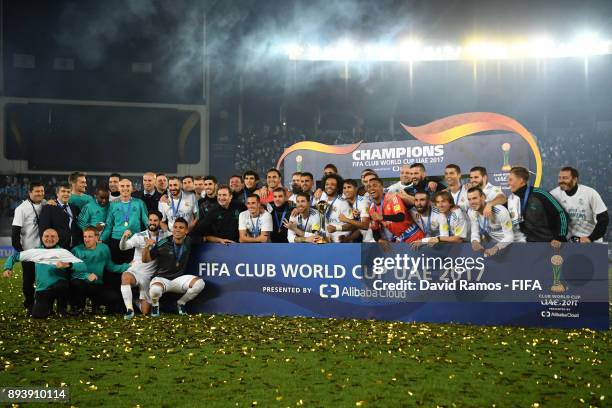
<point x="62" y="218"/>
<point x="542" y="219"/>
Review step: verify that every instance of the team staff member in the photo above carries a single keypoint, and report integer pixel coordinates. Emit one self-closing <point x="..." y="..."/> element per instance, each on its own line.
<point x="89" y="277"/>
<point x="172" y="255"/>
<point x="221" y="223"/>
<point x="161" y="183"/>
<point x="127" y="213"/>
<point x="94" y="214"/>
<point x="62" y="218"/>
<point x="588" y="215"/>
<point x="25" y="235"/>
<point x="51" y="280"/>
<point x="113" y="186"/>
<point x="78" y="183"/>
<point x="542" y="218"/>
<point x="149" y="194"/>
<point x="254" y="225"/>
<point x="280" y="210"/>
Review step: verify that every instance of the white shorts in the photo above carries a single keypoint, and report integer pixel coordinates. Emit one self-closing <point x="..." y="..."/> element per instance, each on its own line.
<point x="142" y="281"/>
<point x="176" y="285"/>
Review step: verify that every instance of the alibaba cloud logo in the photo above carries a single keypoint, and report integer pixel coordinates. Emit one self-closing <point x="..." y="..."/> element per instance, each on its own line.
<point x="329" y="291"/>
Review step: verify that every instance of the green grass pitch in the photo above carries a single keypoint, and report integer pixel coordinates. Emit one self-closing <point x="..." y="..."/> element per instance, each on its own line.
<point x="212" y="360"/>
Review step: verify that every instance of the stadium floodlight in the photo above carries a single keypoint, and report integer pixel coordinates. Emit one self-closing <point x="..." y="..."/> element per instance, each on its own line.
<point x="539" y="47"/>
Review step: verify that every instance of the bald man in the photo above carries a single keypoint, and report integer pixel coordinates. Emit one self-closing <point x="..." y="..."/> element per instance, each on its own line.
<point x="149" y="193"/>
<point x="126" y="213"/>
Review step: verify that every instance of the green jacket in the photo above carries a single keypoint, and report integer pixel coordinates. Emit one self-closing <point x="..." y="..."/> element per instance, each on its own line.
<point x="94" y="261"/>
<point x="91" y="214"/>
<point x="80" y="200"/>
<point x="137" y="218"/>
<point x="46" y="275"/>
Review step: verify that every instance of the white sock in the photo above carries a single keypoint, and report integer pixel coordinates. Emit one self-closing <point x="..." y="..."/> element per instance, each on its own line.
<point x="126" y="292"/>
<point x="192" y="292"/>
<point x="155" y="291"/>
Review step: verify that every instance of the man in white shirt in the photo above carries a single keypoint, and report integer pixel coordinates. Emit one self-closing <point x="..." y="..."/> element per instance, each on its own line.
<point x="404" y="181"/>
<point x="429" y="219"/>
<point x="25" y="235"/>
<point x="180" y="204"/>
<point x="335" y="206"/>
<point x="254" y="224"/>
<point x="588" y="215"/>
<point x="458" y="226"/>
<point x="304" y="225"/>
<point x="452" y="176"/>
<point x="497" y="227"/>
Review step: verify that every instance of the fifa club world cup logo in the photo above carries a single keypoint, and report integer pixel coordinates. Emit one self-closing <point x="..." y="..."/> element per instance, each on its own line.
<point x="506" y="149"/>
<point x="557" y="261"/>
<point x="298" y="163"/>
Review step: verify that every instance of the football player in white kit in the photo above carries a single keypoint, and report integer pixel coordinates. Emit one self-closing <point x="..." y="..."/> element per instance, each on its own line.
<point x="493" y="194"/>
<point x="458" y="225"/>
<point x="497" y="227"/>
<point x="588" y="215"/>
<point x="452" y="176"/>
<point x="139" y="274"/>
<point x="429" y="220"/>
<point x="178" y="203"/>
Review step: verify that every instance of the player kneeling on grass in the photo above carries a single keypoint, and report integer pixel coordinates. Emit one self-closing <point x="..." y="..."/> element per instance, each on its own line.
<point x="50" y="266"/>
<point x="140" y="273"/>
<point x="87" y="277"/>
<point x="172" y="255"/>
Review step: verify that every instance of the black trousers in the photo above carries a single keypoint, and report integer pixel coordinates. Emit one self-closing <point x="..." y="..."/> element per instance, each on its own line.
<point x="44" y="299"/>
<point x="117" y="255"/>
<point x="29" y="277"/>
<point x="99" y="295"/>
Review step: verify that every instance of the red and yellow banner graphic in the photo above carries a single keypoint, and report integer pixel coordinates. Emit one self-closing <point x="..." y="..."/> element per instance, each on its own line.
<point x="446" y="130"/>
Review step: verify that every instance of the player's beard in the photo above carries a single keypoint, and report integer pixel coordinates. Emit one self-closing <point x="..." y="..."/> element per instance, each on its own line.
<point x="153" y="228"/>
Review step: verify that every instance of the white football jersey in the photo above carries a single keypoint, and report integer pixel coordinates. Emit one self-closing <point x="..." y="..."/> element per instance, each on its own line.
<point x="432" y="223"/>
<point x="254" y="226"/>
<point x="397" y="187"/>
<point x="491" y="192"/>
<point x="458" y="225"/>
<point x="498" y="227"/>
<point x="461" y="199"/>
<point x="137" y="241"/>
<point x="186" y="206"/>
<point x="582" y="208"/>
<point x="310" y="224"/>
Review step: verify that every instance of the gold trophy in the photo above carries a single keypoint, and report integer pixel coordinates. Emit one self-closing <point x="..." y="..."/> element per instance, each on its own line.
<point x="557" y="261"/>
<point x="506" y="149"/>
<point x="322" y="238"/>
<point x="298" y="163"/>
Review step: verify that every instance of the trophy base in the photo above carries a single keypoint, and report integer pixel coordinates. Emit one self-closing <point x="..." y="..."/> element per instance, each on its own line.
<point x="557" y="288"/>
<point x="507" y="167"/>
